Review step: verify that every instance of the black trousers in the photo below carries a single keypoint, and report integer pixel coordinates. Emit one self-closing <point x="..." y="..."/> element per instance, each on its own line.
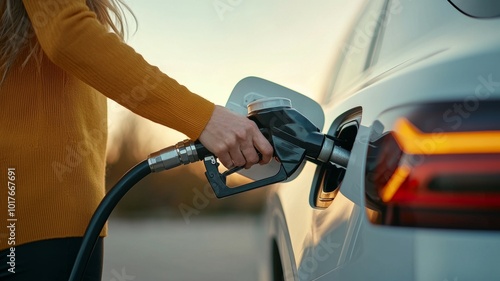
<point x="49" y="260"/>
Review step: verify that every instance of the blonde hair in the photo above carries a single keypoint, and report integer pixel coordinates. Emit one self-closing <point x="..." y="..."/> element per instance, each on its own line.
<point x="16" y="29"/>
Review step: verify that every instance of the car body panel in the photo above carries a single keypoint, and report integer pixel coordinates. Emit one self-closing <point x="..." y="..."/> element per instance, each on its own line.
<point x="430" y="52"/>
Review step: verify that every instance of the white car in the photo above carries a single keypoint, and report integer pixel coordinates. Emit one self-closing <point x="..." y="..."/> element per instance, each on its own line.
<point x="415" y="98"/>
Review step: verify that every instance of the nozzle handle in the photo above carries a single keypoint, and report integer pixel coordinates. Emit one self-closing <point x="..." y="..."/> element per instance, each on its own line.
<point x="290" y="158"/>
<point x="217" y="180"/>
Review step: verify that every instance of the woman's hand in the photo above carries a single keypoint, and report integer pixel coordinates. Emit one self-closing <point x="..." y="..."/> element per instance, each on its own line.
<point x="235" y="139"/>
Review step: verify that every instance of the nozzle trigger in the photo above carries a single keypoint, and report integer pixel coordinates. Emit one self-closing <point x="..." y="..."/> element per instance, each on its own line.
<point x="217" y="180"/>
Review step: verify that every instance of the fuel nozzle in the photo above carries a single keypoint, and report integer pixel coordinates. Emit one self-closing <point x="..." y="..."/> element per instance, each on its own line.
<point x="291" y="132"/>
<point x="294" y="138"/>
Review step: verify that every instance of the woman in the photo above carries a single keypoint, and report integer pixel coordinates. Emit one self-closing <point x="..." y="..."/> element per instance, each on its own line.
<point x="59" y="61"/>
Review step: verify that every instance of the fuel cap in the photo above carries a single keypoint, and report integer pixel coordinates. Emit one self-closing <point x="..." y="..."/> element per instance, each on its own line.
<point x="269" y="104"/>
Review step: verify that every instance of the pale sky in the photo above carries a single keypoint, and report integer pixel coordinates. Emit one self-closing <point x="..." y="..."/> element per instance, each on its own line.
<point x="209" y="45"/>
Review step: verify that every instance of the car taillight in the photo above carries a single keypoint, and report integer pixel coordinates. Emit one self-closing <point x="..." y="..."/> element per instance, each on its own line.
<point x="427" y="169"/>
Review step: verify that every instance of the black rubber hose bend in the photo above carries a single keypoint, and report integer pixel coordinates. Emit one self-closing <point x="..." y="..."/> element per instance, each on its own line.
<point x="101" y="215"/>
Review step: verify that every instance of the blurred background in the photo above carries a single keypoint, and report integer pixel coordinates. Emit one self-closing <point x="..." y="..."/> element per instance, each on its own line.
<point x="169" y="226"/>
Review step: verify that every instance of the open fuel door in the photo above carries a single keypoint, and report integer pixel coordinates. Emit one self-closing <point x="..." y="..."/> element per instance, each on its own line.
<point x="251" y="89"/>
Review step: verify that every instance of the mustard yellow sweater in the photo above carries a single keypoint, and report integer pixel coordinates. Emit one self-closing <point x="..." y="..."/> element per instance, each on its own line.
<point x="53" y="126"/>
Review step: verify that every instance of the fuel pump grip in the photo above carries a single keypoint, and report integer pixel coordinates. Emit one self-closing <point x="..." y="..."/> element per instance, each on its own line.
<point x="293" y="137"/>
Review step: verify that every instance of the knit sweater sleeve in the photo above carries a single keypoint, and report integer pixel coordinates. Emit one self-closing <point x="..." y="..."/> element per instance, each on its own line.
<point x="72" y="38"/>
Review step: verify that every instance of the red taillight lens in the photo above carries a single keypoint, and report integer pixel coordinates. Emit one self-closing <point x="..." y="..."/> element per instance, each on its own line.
<point x="445" y="179"/>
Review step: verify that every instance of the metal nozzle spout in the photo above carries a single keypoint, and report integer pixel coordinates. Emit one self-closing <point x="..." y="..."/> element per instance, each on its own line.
<point x="330" y="152"/>
<point x="340" y="156"/>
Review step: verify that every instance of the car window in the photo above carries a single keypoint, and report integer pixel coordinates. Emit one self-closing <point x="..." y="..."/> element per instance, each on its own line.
<point x="356" y="54"/>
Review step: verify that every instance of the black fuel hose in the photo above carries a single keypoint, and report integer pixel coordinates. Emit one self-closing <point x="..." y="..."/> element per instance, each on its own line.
<point x="101" y="215"/>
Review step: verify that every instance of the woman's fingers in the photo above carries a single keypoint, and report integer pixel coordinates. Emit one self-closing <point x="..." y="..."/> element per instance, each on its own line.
<point x="235" y="139"/>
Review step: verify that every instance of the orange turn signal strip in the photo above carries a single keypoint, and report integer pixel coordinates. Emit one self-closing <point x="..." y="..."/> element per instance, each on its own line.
<point x="414" y="141"/>
<point x="394" y="183"/>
